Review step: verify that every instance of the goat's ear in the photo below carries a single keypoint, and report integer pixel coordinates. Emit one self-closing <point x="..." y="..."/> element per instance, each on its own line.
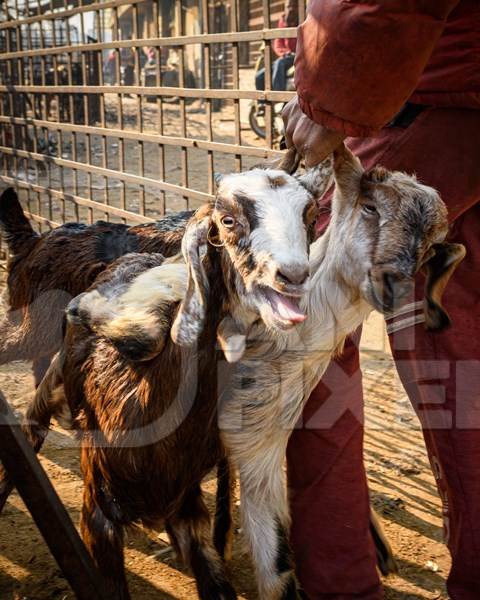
<point x="319" y="179"/>
<point x="232" y="339"/>
<point x="439" y="268"/>
<point x="348" y="172"/>
<point x="189" y="321"/>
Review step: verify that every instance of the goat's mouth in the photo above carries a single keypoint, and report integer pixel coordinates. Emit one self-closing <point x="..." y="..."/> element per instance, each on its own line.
<point x="284" y="309"/>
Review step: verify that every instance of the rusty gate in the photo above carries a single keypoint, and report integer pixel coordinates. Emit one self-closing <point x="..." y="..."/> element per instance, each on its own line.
<point x="125" y="109"/>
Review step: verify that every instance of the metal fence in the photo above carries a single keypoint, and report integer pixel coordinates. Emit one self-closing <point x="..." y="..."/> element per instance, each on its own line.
<point x="125" y="109"/>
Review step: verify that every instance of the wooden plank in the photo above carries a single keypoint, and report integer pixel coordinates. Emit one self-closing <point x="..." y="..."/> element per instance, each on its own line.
<point x="48" y="512"/>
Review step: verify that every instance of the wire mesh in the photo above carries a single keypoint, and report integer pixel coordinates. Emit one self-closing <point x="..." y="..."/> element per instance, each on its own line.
<point x="125" y="109"/>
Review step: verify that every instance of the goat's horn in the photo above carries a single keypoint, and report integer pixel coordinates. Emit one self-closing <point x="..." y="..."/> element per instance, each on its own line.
<point x="290" y="161"/>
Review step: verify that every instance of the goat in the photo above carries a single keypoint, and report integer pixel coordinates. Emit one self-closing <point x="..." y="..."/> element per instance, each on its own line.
<point x="383" y="224"/>
<point x="46" y="271"/>
<point x="385" y="227"/>
<point x="148" y="429"/>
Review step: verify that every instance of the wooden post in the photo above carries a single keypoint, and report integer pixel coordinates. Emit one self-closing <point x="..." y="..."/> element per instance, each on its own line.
<point x="47" y="510"/>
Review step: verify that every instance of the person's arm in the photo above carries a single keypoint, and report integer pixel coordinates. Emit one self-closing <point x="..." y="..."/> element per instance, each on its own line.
<point x="358" y="62"/>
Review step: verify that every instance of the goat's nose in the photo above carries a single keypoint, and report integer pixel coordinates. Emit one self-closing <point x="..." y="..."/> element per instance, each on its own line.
<point x="292" y="274"/>
<point x="394" y="286"/>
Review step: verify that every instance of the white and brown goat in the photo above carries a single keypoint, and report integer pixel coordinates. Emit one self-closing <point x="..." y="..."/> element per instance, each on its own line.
<point x="385" y="227"/>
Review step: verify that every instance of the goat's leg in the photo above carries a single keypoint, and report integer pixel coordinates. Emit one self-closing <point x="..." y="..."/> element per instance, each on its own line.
<point x="385" y="557"/>
<point x="104" y="540"/>
<point x="264" y="509"/>
<point x="35" y="330"/>
<point x="37" y="419"/>
<point x="266" y="525"/>
<point x="190" y="531"/>
<point x="40" y="367"/>
<point x="15" y="341"/>
<point x="223" y="526"/>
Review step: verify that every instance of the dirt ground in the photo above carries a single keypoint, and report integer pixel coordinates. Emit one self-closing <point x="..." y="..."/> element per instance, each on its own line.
<point x="402" y="487"/>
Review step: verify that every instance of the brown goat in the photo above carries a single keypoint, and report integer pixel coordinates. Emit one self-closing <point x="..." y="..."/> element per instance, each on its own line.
<point x="46" y="271"/>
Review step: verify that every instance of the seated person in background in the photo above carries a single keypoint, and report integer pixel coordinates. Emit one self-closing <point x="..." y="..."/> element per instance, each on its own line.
<point x="283" y="48"/>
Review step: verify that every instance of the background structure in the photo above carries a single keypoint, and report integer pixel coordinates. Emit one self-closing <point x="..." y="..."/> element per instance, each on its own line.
<point x="125" y="109"/>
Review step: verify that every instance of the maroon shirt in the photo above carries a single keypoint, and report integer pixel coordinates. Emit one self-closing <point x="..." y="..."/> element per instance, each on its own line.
<point x="358" y="62"/>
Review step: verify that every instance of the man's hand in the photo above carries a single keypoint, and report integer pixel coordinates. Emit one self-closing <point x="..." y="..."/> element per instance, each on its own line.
<point x="312" y="141"/>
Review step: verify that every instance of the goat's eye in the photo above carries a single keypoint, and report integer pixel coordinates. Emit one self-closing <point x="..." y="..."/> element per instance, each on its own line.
<point x="369" y="209"/>
<point x="228" y="222"/>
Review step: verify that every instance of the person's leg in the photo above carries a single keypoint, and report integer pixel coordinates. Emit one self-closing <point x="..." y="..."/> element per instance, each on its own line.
<point x="329" y="502"/>
<point x="279" y="72"/>
<point x="441" y="374"/>
<point x="442" y="146"/>
<point x="330" y="536"/>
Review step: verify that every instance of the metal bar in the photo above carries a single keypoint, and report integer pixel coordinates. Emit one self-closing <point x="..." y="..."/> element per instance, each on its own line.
<point x="236" y="83"/>
<point x="140" y="146"/>
<point x="158" y="79"/>
<point x="118" y="81"/>
<point x="181" y="85"/>
<point x="112" y="210"/>
<point x="207" y="84"/>
<point x="63" y="14"/>
<point x="106" y="195"/>
<point x="126" y="177"/>
<point x="274" y="96"/>
<point x="47" y="510"/>
<point x="212" y="38"/>
<point x="268" y="77"/>
<point x="86" y="115"/>
<point x="261" y="153"/>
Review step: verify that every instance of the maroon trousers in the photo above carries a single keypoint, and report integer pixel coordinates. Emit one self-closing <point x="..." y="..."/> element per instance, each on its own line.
<point x="334" y="551"/>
